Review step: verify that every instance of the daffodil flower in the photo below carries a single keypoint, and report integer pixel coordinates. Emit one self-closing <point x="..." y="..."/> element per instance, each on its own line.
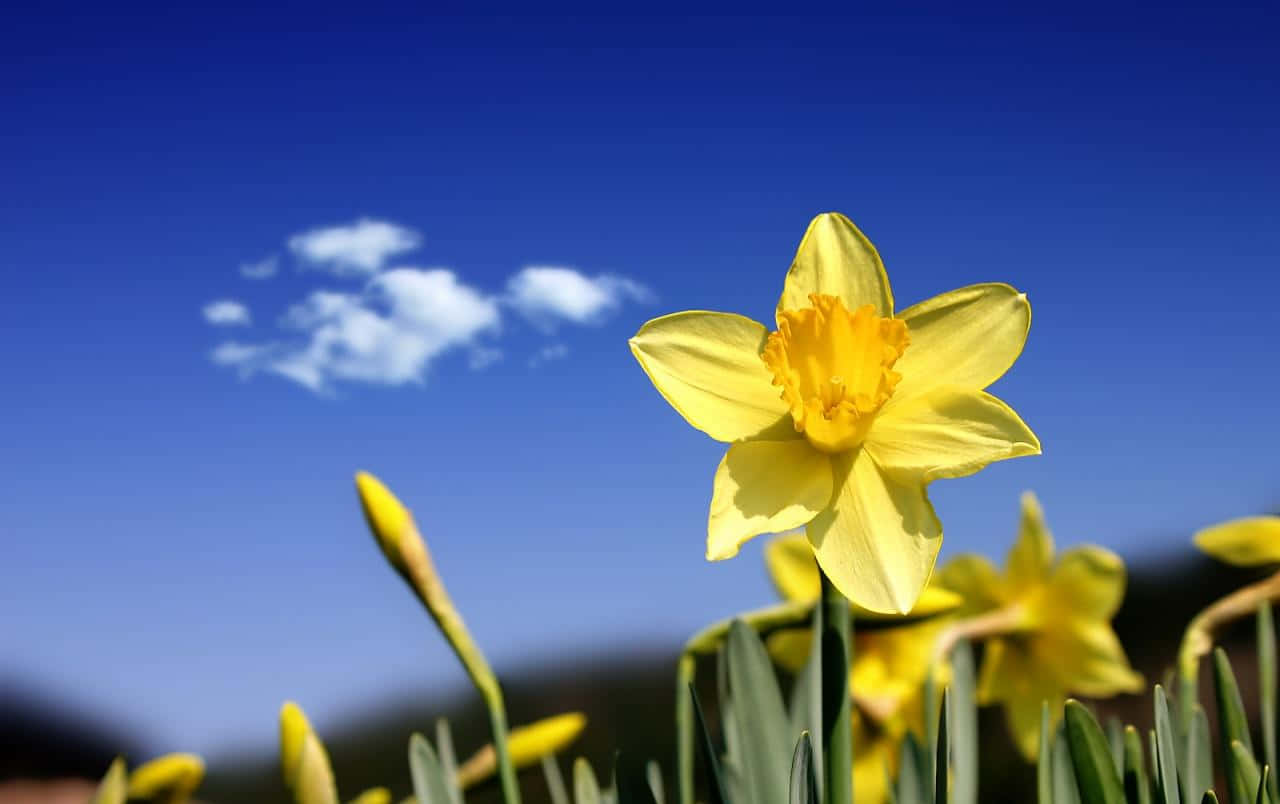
<point x="839" y="419"/>
<point x="528" y="744"/>
<point x="304" y="760"/>
<point x="890" y="664"/>
<point x="1047" y="622"/>
<point x="171" y="778"/>
<point x="1248" y="542"/>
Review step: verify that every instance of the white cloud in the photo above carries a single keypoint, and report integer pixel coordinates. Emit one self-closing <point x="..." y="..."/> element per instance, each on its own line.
<point x="226" y="313"/>
<point x="482" y="357"/>
<point x="358" y="249"/>
<point x="388" y="334"/>
<point x="555" y="351"/>
<point x="262" y="269"/>
<point x="544" y="294"/>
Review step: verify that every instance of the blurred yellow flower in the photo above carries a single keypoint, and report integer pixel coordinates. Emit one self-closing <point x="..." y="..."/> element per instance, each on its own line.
<point x="171" y="778"/>
<point x="1247" y="542"/>
<point x="1047" y="623"/>
<point x="528" y="744"/>
<point x="890" y="664"/>
<point x="374" y="795"/>
<point x="840" y="418"/>
<point x="303" y="759"/>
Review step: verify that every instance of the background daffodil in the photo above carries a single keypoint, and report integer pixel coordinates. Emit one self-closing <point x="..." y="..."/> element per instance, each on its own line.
<point x="888" y="671"/>
<point x="841" y="417"/>
<point x="171" y="778"/>
<point x="1047" y="623"/>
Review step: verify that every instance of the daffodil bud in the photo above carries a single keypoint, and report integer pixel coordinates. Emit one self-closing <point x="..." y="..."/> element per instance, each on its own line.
<point x="304" y="760"/>
<point x="374" y="795"/>
<point x="171" y="778"/>
<point x="389" y="520"/>
<point x="528" y="744"/>
<point x="114" y="787"/>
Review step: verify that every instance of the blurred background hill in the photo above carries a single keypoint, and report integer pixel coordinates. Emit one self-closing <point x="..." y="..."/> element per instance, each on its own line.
<point x="627" y="696"/>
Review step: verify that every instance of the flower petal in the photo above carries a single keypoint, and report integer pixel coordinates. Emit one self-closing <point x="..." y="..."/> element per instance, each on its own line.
<point x="1030" y="557"/>
<point x="967" y="337"/>
<point x="708" y="366"/>
<point x="792" y="567"/>
<point x="1087" y="658"/>
<point x="948" y="432"/>
<point x="879" y="539"/>
<point x="975" y="579"/>
<point x="765" y="487"/>
<point x="1010" y="676"/>
<point x="836" y="259"/>
<point x="1245" y="542"/>
<point x="1088" y="581"/>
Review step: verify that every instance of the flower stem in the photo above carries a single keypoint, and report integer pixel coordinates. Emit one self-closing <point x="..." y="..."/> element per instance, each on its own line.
<point x="837" y="733"/>
<point x="997" y="622"/>
<point x="685" y="671"/>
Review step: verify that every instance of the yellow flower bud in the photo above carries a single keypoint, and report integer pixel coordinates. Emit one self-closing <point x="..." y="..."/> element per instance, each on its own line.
<point x="304" y="760"/>
<point x="114" y="787"/>
<point x="374" y="795"/>
<point x="171" y="778"/>
<point x="387" y="517"/>
<point x="528" y="744"/>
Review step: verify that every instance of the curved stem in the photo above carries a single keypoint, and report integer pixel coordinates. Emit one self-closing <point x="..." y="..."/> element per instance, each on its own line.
<point x="997" y="622"/>
<point x="1198" y="638"/>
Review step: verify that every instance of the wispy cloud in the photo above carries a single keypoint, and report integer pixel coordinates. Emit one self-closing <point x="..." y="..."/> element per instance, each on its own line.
<point x="388" y="334"/>
<point x="358" y="249"/>
<point x="226" y="313"/>
<point x="555" y="351"/>
<point x="262" y="269"/>
<point x="547" y="294"/>
<point x="391" y="331"/>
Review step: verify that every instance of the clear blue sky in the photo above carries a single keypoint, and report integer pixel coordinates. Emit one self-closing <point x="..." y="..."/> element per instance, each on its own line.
<point x="182" y="547"/>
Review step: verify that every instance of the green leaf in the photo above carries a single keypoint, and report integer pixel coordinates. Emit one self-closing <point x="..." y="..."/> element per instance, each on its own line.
<point x="1091" y="757"/>
<point x="1209" y="798"/>
<point x="837" y="731"/>
<point x="631" y="782"/>
<point x="911" y="773"/>
<point x="1267" y="690"/>
<point x="804" y="780"/>
<point x="1137" y="787"/>
<point x="964" y="727"/>
<point x="1232" y="726"/>
<point x="716" y="793"/>
<point x="1065" y="789"/>
<point x="1166" y="760"/>
<point x="586" y="789"/>
<point x="1044" y="759"/>
<point x="428" y="776"/>
<point x="942" y="753"/>
<point x="763" y="726"/>
<point x="1262" y="797"/>
<point x="1199" y="761"/>
<point x="448" y="760"/>
<point x="1248" y="777"/>
<point x="555" y="780"/>
<point x="653" y="774"/>
<point x="1115" y="741"/>
<point x="114" y="787"/>
<point x="806" y="696"/>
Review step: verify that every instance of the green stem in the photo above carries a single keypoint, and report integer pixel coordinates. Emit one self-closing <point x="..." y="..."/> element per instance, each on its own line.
<point x="685" y="672"/>
<point x="837" y="736"/>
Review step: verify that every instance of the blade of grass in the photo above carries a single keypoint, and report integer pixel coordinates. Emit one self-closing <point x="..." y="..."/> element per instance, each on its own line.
<point x="1091" y="757"/>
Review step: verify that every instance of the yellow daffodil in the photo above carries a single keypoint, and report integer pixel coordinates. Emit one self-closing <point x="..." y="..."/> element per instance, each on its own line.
<point x="528" y="744"/>
<point x="840" y="418"/>
<point x="887" y="675"/>
<point x="1047" y="622"/>
<point x="1248" y="542"/>
<point x="374" y="795"/>
<point x="304" y="760"/>
<point x="171" y="778"/>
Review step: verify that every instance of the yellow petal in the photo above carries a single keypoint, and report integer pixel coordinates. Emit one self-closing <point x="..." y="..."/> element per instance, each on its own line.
<point x="708" y="367"/>
<point x="374" y="795"/>
<point x="1011" y="676"/>
<point x="792" y="567"/>
<point x="1088" y="581"/>
<point x="114" y="787"/>
<point x="789" y="648"/>
<point x="976" y="580"/>
<point x="1032" y="553"/>
<point x="948" y="432"/>
<point x="835" y="259"/>
<point x="879" y="540"/>
<point x="875" y="759"/>
<point x="177" y="775"/>
<point x="387" y="517"/>
<point x="1244" y="542"/>
<point x="967" y="337"/>
<point x="765" y="487"/>
<point x="527" y="744"/>
<point x="1087" y="658"/>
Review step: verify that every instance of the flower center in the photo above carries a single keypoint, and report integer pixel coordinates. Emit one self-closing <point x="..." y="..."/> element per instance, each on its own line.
<point x="835" y="368"/>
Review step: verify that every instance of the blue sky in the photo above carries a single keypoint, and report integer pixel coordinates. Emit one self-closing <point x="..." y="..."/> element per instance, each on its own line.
<point x="182" y="544"/>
